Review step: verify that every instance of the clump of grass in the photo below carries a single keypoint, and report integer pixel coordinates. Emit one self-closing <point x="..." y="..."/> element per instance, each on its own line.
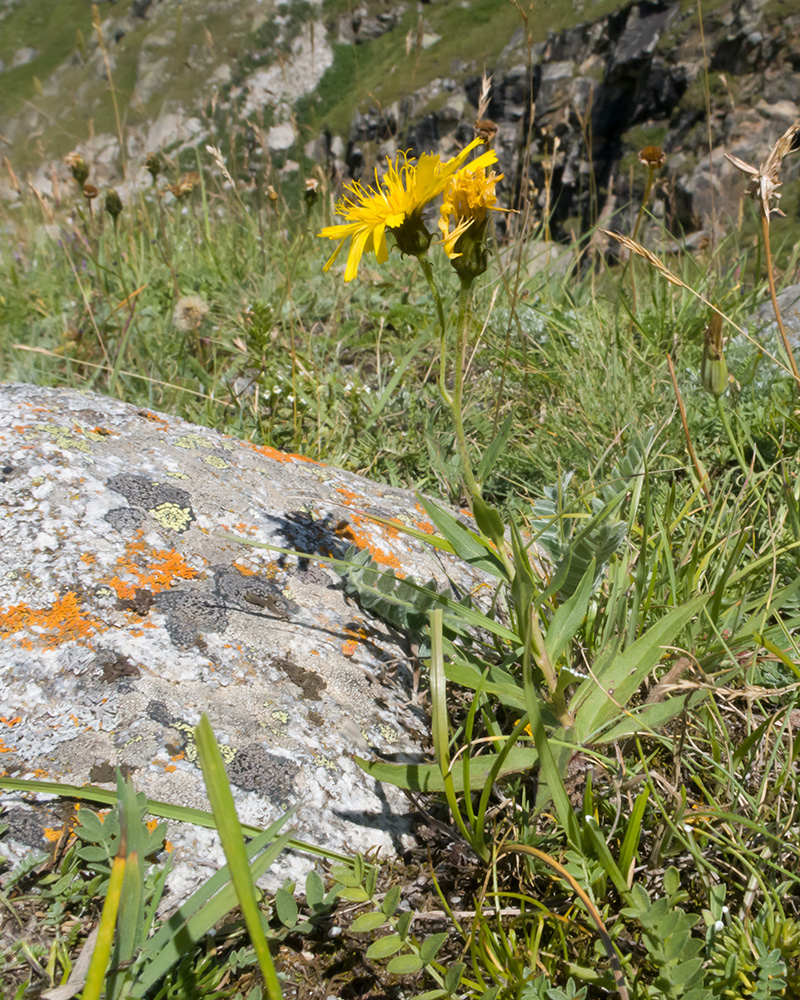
<point x="612" y="784"/>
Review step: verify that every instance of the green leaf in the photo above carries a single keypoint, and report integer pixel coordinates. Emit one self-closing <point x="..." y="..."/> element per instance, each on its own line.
<point x="354" y="894"/>
<point x="315" y="890"/>
<point x="672" y="880"/>
<point x="385" y="946"/>
<point x="368" y="922"/>
<point x="90" y="827"/>
<point x="405" y="965"/>
<point x="230" y="832"/>
<point x="569" y="616"/>
<point x="430" y="947"/>
<point x="648" y="718"/>
<point x="488" y="520"/>
<point x="466" y="544"/>
<point x="490" y="456"/>
<point x="345" y="876"/>
<point x="618" y="677"/>
<point x="452" y="979"/>
<point x="391" y="900"/>
<point x="404" y="923"/>
<point x="428" y="777"/>
<point x="286" y="908"/>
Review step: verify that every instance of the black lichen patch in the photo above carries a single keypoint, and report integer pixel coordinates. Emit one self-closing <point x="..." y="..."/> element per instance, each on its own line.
<point x="125" y="520"/>
<point x="158" y="712"/>
<point x="6" y="472"/>
<point x="314" y="536"/>
<point x="107" y="772"/>
<point x="27" y="826"/>
<point x="116" y="666"/>
<point x="256" y="770"/>
<point x="310" y="683"/>
<point x="238" y="591"/>
<point x="189" y="613"/>
<point x="140" y="603"/>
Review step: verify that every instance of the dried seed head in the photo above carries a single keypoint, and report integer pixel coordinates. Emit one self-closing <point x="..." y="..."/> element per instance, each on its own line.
<point x="311" y="192"/>
<point x="186" y="183"/>
<point x="90" y="192"/>
<point x="485" y="130"/>
<point x="189" y="313"/>
<point x="77" y="166"/>
<point x="652" y="157"/>
<point x="113" y="204"/>
<point x="763" y="184"/>
<point x="272" y="194"/>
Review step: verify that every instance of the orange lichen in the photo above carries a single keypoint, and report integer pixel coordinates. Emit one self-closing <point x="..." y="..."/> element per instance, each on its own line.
<point x="4" y="748"/>
<point x="89" y="558"/>
<point x="52" y="834"/>
<point x="63" y="621"/>
<point x="151" y="416"/>
<point x="425" y="526"/>
<point x="152" y="569"/>
<point x="349" y="647"/>
<point x="363" y="541"/>
<point x="349" y="496"/>
<point x="279" y="456"/>
<point x="10" y="722"/>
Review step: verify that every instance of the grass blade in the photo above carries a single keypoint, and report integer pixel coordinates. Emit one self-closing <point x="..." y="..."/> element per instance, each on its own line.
<point x="230" y="832"/>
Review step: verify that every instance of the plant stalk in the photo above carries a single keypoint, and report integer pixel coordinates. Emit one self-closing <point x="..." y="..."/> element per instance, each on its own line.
<point x="774" y="296"/>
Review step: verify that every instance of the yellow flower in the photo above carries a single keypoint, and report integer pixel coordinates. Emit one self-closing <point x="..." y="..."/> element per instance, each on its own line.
<point x="466" y="203"/>
<point x="396" y="203"/>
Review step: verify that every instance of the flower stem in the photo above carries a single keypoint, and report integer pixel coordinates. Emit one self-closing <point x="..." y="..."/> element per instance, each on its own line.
<point x="427" y="270"/>
<point x="458" y="386"/>
<point x="648" y="188"/>
<point x="773" y="294"/>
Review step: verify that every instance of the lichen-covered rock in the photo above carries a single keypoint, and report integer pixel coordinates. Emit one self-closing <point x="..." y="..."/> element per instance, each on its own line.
<point x="128" y="607"/>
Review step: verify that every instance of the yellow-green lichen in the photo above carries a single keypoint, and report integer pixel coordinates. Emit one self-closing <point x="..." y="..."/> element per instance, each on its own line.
<point x="190" y="747"/>
<point x="215" y="461"/>
<point x="172" y="517"/>
<point x="320" y="760"/>
<point x="177" y="475"/>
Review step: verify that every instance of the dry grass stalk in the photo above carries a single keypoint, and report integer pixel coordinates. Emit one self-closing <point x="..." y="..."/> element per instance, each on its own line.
<point x="763" y="187"/>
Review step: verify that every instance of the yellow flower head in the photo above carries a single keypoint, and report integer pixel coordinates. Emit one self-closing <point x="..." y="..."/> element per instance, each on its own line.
<point x="396" y="203"/>
<point x="466" y="203"/>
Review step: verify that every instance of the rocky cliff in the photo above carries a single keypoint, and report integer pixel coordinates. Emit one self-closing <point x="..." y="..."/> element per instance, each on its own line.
<point x="291" y="85"/>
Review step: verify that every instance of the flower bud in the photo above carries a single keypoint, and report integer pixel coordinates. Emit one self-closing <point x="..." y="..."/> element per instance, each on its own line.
<point x="714" y="369"/>
<point x="113" y="204"/>
<point x="153" y="165"/>
<point x="77" y="166"/>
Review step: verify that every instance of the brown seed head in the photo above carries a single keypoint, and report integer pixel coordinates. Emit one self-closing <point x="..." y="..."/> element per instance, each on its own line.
<point x="652" y="157"/>
<point x="90" y="192"/>
<point x="186" y="183"/>
<point x="485" y="130"/>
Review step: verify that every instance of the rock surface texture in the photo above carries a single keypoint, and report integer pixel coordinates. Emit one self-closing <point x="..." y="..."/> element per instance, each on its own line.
<point x="127" y="608"/>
